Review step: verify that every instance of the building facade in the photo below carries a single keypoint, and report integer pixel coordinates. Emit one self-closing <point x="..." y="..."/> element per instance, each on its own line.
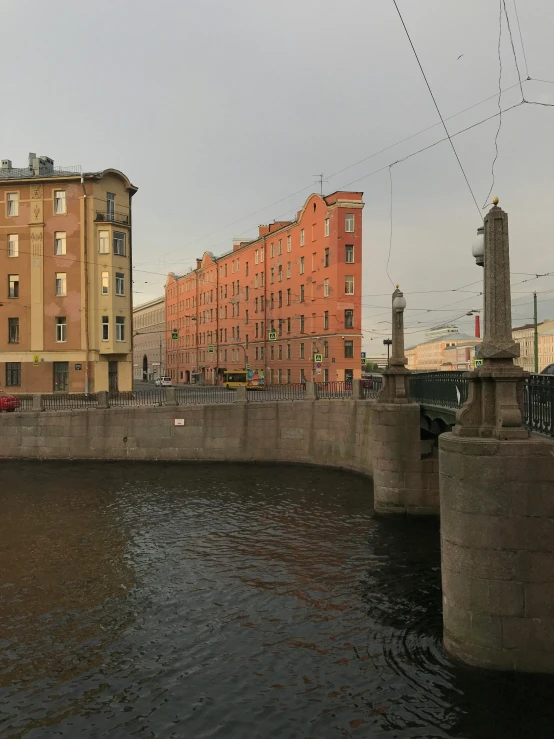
<point x="149" y="340"/>
<point x="287" y="303"/>
<point x="65" y="253"/>
<point x="439" y="351"/>
<point x="525" y="336"/>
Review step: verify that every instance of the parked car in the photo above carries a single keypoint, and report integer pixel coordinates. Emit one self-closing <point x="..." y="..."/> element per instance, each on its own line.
<point x="549" y="370"/>
<point x="8" y="403"/>
<point x="371" y="381"/>
<point x="163" y="381"/>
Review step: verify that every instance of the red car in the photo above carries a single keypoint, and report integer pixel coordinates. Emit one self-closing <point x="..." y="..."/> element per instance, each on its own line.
<point x="8" y="403"/>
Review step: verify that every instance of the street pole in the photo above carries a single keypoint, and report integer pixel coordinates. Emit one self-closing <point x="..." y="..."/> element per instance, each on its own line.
<point x="388" y="343"/>
<point x="160" y="374"/>
<point x="536" y="334"/>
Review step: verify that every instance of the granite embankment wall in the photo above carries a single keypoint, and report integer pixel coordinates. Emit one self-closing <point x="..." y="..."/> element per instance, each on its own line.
<point x="336" y="433"/>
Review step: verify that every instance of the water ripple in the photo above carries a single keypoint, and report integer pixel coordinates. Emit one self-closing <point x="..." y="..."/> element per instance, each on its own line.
<point x="230" y="601"/>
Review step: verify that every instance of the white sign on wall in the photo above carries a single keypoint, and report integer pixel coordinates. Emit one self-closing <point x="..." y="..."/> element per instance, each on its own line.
<point x="179" y="422"/>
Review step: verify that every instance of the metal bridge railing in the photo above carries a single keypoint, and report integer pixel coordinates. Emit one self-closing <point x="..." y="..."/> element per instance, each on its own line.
<point x="136" y="397"/>
<point x="67" y="401"/>
<point x="538" y="402"/>
<point x="334" y="389"/>
<point x="292" y="391"/>
<point x="443" y="389"/>
<point x="203" y="395"/>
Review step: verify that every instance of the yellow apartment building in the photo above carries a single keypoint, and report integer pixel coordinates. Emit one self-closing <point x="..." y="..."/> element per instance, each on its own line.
<point x="66" y="296"/>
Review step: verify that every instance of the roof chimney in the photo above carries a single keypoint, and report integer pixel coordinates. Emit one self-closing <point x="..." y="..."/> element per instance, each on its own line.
<point x="6" y="163"/>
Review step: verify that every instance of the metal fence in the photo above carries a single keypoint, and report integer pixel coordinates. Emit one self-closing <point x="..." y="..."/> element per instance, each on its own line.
<point x="68" y="401"/>
<point x="292" y="391"/>
<point x="443" y="389"/>
<point x="334" y="389"/>
<point x="26" y="402"/>
<point x="204" y="394"/>
<point x="371" y="387"/>
<point x="136" y="397"/>
<point x="538" y="400"/>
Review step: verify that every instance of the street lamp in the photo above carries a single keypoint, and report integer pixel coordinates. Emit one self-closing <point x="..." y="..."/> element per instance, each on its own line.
<point x="388" y="344"/>
<point x="478" y="248"/>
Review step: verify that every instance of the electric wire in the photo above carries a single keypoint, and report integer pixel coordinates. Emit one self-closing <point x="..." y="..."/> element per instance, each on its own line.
<point x="390" y="236"/>
<point x="438" y="109"/>
<point x="513" y="48"/>
<point x="499" y="103"/>
<point x="521" y="40"/>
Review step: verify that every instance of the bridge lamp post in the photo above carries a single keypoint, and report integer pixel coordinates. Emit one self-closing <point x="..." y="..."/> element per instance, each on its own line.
<point x="396" y="384"/>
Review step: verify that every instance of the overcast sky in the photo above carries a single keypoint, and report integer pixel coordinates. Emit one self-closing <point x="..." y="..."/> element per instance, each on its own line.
<point x="218" y="109"/>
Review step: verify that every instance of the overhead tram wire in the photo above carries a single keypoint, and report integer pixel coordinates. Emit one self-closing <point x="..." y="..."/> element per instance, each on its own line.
<point x="499" y="102"/>
<point x="521" y="40"/>
<point x="438" y="110"/>
<point x="513" y="48"/>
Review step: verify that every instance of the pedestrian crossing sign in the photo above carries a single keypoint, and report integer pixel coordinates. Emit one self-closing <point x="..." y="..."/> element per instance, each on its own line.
<point x="211" y="349"/>
<point x="272" y="336"/>
<point x="174" y="335"/>
<point x="477" y="363"/>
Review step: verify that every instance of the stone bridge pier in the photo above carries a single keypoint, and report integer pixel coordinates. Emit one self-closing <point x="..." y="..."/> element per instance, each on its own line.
<point x="497" y="500"/>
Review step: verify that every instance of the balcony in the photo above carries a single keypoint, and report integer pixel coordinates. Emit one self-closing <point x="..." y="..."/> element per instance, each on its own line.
<point x="112" y="216"/>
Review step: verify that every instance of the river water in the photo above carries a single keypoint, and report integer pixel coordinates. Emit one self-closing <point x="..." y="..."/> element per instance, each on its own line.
<point x="230" y="601"/>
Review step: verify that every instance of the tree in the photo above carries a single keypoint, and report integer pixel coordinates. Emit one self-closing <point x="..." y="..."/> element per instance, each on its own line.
<point x="371" y="367"/>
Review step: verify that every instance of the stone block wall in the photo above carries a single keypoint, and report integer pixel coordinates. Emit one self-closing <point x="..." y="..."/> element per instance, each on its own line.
<point x="403" y="482"/>
<point x="497" y="540"/>
<point x="325" y="432"/>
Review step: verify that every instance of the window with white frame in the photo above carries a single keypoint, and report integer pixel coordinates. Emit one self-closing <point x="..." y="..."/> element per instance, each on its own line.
<point x="59" y="243"/>
<point x="289" y="243"/>
<point x="119" y="328"/>
<point x="61" y="284"/>
<point x="302" y="237"/>
<point x="12" y="203"/>
<point x="349" y="223"/>
<point x="272" y="250"/>
<point x="61" y="329"/>
<point x="103" y="242"/>
<point x="262" y="252"/>
<point x="59" y="202"/>
<point x="349" y="285"/>
<point x="13" y="286"/>
<point x="288" y="270"/>
<point x="326" y="287"/>
<point x="349" y="254"/>
<point x="256" y="257"/>
<point x="13" y="245"/>
<point x="119" y="243"/>
<point x="119" y="283"/>
<point x="105" y="328"/>
<point x="105" y="283"/>
<point x="301" y="265"/>
<point x="326" y="227"/>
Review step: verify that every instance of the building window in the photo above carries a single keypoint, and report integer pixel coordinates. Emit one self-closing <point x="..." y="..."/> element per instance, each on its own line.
<point x="256" y="280"/>
<point x="13" y="245"/>
<point x="262" y="252"/>
<point x="262" y="277"/>
<point x="348" y="319"/>
<point x="262" y="303"/>
<point x="119" y="283"/>
<point x="288" y="351"/>
<point x="119" y="243"/>
<point x="349" y="285"/>
<point x="12" y="204"/>
<point x="349" y="254"/>
<point x="349" y="223"/>
<point x="301" y="324"/>
<point x="59" y="243"/>
<point x="256" y="257"/>
<point x="301" y="265"/>
<point x="105" y="328"/>
<point x="110" y="206"/>
<point x="13" y="286"/>
<point x="302" y="376"/>
<point x="59" y="202"/>
<point x="288" y="270"/>
<point x="61" y="329"/>
<point x="61" y="284"/>
<point x="289" y="297"/>
<point x="301" y="293"/>
<point x="13" y="330"/>
<point x="288" y="325"/>
<point x="105" y="283"/>
<point x="280" y="247"/>
<point x="280" y="273"/>
<point x="289" y="377"/>
<point x="272" y="352"/>
<point x="272" y="274"/>
<point x="326" y="287"/>
<point x="326" y="350"/>
<point x="326" y="321"/>
<point x="255" y="305"/>
<point x="280" y="299"/>
<point x="326" y="227"/>
<point x="280" y="376"/>
<point x="119" y="328"/>
<point x="256" y="353"/>
<point x="246" y="269"/>
<point x="13" y="374"/>
<point x="302" y="237"/>
<point x="272" y="250"/>
<point x="301" y="351"/>
<point x="326" y="258"/>
<point x="280" y="351"/>
<point x="289" y="243"/>
<point x="103" y="242"/>
<point x="348" y="349"/>
<point x="246" y="316"/>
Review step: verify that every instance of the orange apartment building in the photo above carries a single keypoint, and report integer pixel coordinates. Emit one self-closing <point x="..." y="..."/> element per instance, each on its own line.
<point x="276" y="302"/>
<point x="66" y="291"/>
